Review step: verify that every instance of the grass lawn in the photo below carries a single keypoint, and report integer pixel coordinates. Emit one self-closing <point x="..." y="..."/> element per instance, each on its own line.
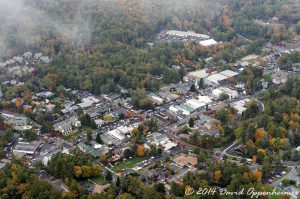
<point x="298" y="170"/>
<point x="128" y="164"/>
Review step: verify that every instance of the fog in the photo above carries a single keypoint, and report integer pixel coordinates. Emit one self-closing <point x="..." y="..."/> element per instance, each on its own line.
<point x="23" y="24"/>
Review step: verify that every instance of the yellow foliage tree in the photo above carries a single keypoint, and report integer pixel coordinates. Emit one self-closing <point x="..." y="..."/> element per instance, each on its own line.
<point x="77" y="171"/>
<point x="217" y="176"/>
<point x="141" y="150"/>
<point x="258" y="175"/>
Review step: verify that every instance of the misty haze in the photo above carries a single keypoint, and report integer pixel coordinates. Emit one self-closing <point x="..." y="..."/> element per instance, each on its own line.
<point x="150" y="99"/>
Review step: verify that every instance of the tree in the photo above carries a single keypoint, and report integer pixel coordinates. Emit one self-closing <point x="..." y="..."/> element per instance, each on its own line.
<point x="128" y="153"/>
<point x="140" y="150"/>
<point x="193" y="88"/>
<point x="86" y="171"/>
<point x="108" y="176"/>
<point x="102" y="157"/>
<point x="30" y="135"/>
<point x="191" y="123"/>
<point x="118" y="183"/>
<point x="258" y="175"/>
<point x="201" y="84"/>
<point x="77" y="171"/>
<point x="160" y="187"/>
<point x="177" y="189"/>
<point x="96" y="170"/>
<point x="107" y="117"/>
<point x="218" y="176"/>
<point x="98" y="139"/>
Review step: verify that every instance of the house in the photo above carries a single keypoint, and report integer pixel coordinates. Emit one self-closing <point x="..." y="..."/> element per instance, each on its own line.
<point x="64" y="128"/>
<point x="88" y="102"/>
<point x="99" y="122"/>
<point x="46" y="94"/>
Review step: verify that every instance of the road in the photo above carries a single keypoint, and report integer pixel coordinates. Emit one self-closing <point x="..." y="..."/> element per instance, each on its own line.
<point x="291" y="175"/>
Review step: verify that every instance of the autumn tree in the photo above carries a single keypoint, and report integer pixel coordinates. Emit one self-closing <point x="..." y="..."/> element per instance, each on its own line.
<point x="140" y="150"/>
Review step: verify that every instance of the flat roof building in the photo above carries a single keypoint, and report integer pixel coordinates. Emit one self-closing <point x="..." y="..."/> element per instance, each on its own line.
<point x="26" y="147"/>
<point x="229" y="73"/>
<point x="178" y="33"/>
<point x="208" y="42"/>
<point x="196" y="75"/>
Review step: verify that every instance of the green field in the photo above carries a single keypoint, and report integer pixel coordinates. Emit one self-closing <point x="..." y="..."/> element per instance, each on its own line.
<point x="128" y="164"/>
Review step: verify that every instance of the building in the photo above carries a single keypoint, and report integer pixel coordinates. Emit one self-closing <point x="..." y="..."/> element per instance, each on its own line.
<point x="229" y="73"/>
<point x="94" y="150"/>
<point x="97" y="112"/>
<point x="185" y="160"/>
<point x="218" y="92"/>
<point x="186" y="110"/>
<point x="196" y="75"/>
<point x="280" y="77"/>
<point x="240" y="105"/>
<point x="28" y="148"/>
<point x="46" y="94"/>
<point x="65" y="127"/>
<point x="195" y="104"/>
<point x="216" y="79"/>
<point x="221" y="77"/>
<point x="208" y="43"/>
<point x="116" y="136"/>
<point x="161" y="140"/>
<point x="188" y="34"/>
<point x="88" y="102"/>
<point x="99" y="122"/>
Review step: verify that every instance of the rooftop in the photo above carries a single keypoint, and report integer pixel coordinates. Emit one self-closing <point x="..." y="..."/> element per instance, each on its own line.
<point x="186" y="34"/>
<point x="229" y="73"/>
<point x="208" y="42"/>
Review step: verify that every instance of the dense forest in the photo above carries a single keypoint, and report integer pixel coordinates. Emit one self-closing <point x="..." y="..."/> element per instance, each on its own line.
<point x="102" y="46"/>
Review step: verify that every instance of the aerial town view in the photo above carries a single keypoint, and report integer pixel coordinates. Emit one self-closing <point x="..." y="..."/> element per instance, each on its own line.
<point x="149" y="99"/>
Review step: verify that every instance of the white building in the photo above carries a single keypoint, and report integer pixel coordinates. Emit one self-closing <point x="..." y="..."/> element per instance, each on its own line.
<point x="183" y="34"/>
<point x="208" y="42"/>
<point x="240" y="105"/>
<point x="161" y="140"/>
<point x="204" y="99"/>
<point x="223" y="90"/>
<point x="195" y="104"/>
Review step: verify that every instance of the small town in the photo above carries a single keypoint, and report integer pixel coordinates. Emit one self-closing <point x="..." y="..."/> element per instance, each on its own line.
<point x="208" y="120"/>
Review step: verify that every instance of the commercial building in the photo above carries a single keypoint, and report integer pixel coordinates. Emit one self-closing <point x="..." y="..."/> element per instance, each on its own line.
<point x="161" y="140"/>
<point x="196" y="75"/>
<point x="186" y="110"/>
<point x="116" y="136"/>
<point x="218" y="92"/>
<point x="208" y="43"/>
<point x="221" y="77"/>
<point x="26" y="147"/>
<point x="183" y="34"/>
